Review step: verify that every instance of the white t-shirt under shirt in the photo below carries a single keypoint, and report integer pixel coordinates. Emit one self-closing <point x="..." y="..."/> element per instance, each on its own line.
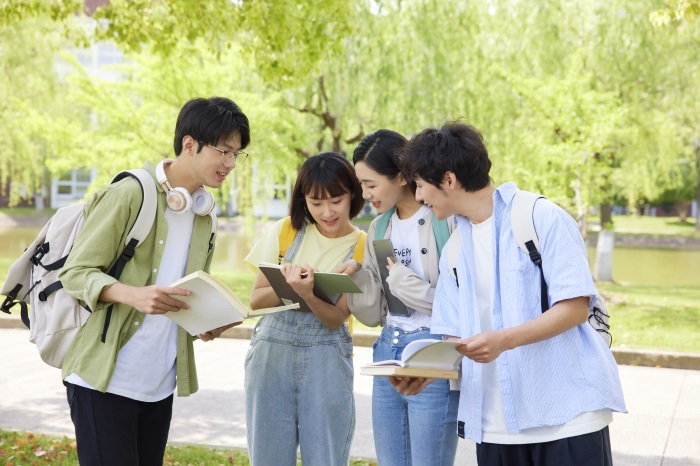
<point x="407" y="249"/>
<point x="145" y="368"/>
<point x="493" y="422"/>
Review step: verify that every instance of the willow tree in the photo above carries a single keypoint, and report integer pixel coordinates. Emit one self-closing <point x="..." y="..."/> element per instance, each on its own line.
<point x="31" y="93"/>
<point x="131" y="116"/>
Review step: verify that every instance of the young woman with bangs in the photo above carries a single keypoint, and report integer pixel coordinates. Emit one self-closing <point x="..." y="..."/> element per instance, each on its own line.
<point x="299" y="370"/>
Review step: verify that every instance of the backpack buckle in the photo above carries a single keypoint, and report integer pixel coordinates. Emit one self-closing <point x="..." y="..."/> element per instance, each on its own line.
<point x="536" y="257"/>
<point x="39" y="254"/>
<point x="8" y="304"/>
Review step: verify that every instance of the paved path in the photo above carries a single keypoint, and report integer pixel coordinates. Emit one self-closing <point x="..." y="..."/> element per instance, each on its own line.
<point x="661" y="429"/>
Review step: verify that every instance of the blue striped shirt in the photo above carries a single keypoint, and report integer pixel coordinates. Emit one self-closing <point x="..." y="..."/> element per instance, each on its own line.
<point x="542" y="384"/>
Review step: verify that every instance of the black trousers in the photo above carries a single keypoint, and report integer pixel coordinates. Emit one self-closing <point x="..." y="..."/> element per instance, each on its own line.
<point x="115" y="430"/>
<point x="582" y="450"/>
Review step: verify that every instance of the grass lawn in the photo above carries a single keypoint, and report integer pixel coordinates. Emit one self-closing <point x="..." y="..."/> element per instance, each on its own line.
<point x="27" y="212"/>
<point x="654" y="317"/>
<point x="24" y="448"/>
<point x="653" y="226"/>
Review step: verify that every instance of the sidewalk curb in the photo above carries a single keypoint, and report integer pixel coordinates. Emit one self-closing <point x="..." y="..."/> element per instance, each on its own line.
<point x="629" y="357"/>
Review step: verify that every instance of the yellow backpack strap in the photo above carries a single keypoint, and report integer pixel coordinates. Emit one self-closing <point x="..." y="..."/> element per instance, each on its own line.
<point x="359" y="253"/>
<point x="287" y="234"/>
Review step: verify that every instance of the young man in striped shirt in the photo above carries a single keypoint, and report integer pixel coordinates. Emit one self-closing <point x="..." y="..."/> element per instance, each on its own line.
<point x="537" y="388"/>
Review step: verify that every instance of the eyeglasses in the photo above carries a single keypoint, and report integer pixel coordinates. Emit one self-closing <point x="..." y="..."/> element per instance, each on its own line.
<point x="228" y="155"/>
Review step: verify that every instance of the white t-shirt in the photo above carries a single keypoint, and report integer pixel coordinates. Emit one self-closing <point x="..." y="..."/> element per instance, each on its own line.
<point x="493" y="423"/>
<point x="407" y="249"/>
<point x="145" y="368"/>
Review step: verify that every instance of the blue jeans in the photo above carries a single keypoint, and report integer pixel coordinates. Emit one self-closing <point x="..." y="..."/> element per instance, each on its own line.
<point x="299" y="392"/>
<point x="418" y="430"/>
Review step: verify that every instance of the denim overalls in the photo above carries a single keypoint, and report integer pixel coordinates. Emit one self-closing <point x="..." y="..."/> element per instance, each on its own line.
<point x="299" y="389"/>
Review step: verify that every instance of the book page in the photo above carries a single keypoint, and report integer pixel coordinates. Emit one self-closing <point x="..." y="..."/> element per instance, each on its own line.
<point x="272" y="310"/>
<point x="386" y="362"/>
<point x="396" y="371"/>
<point x="436" y="354"/>
<point x="426" y="353"/>
<point x="212" y="304"/>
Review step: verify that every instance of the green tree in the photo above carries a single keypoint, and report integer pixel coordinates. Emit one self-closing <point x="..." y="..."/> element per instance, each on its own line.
<point x="675" y="10"/>
<point x="31" y="95"/>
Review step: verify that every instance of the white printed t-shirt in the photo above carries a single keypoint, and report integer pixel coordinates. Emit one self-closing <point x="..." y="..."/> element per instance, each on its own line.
<point x="407" y="249"/>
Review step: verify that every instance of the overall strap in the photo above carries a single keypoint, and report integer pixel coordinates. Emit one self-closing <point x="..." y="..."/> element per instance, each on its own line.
<point x="291" y="252"/>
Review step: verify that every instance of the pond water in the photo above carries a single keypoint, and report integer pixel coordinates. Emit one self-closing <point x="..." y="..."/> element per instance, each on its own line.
<point x="634" y="265"/>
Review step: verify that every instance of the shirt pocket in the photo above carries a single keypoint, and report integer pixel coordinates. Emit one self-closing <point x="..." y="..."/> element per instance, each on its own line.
<point x="520" y="290"/>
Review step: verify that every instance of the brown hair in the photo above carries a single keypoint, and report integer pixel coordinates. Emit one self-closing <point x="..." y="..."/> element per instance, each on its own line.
<point x="325" y="175"/>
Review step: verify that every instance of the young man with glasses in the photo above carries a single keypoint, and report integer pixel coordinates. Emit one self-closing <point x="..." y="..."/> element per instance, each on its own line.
<point x="121" y="369"/>
<point x="537" y="388"/>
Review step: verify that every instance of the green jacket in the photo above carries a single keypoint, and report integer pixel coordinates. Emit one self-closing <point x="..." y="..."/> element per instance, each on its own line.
<point x="109" y="215"/>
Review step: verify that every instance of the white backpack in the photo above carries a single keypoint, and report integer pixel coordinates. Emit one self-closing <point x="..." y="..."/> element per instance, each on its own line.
<point x="56" y="317"/>
<point x="523" y="225"/>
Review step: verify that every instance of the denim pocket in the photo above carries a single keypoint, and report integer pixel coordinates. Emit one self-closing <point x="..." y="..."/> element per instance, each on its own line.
<point x="345" y="364"/>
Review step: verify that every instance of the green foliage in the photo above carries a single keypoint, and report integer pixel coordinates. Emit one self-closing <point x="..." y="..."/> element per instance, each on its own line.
<point x="583" y="101"/>
<point x="17" y="11"/>
<point x="29" y="92"/>
<point x="676" y="10"/>
<point x="287" y="39"/>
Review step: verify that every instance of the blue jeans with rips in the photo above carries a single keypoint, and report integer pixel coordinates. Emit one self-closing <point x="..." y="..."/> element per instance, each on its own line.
<point x="299" y="392"/>
<point x="419" y="430"/>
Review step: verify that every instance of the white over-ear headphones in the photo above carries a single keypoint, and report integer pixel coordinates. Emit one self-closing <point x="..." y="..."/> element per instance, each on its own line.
<point x="179" y="200"/>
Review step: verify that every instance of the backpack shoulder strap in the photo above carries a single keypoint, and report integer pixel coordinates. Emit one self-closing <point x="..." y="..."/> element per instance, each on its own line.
<point x="453" y="253"/>
<point x="383" y="223"/>
<point x="149" y="205"/>
<point x="141" y="228"/>
<point x="523" y="225"/>
<point x="289" y="240"/>
<point x="441" y="230"/>
<point x="214" y="225"/>
<point x="521" y="219"/>
<point x="359" y="252"/>
<point x="286" y="236"/>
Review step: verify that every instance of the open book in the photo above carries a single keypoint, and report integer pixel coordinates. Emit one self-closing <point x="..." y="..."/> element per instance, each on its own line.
<point x="435" y="359"/>
<point x="327" y="286"/>
<point x="212" y="304"/>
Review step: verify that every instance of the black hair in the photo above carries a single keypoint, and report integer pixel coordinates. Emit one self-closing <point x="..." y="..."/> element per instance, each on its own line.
<point x="380" y="152"/>
<point x="327" y="174"/>
<point x="456" y="147"/>
<point x="211" y="121"/>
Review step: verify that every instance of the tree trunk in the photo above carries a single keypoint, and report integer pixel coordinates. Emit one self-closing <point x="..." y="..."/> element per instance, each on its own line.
<point x="606" y="216"/>
<point x="602" y="270"/>
<point x="604" y="256"/>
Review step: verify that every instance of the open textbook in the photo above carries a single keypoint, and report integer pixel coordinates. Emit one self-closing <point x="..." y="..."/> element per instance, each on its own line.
<point x="327" y="286"/>
<point x="212" y="304"/>
<point x="435" y="359"/>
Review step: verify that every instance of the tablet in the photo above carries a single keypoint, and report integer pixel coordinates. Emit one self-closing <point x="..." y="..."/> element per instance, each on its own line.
<point x="383" y="249"/>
